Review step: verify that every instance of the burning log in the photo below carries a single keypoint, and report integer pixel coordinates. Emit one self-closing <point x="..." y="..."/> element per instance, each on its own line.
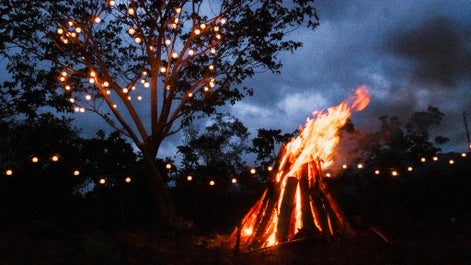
<point x="288" y="202"/>
<point x="298" y="204"/>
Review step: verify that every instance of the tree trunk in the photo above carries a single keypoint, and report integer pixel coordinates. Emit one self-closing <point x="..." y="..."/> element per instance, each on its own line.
<point x="164" y="212"/>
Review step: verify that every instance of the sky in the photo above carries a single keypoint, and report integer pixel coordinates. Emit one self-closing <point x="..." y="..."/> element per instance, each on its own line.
<point x="411" y="54"/>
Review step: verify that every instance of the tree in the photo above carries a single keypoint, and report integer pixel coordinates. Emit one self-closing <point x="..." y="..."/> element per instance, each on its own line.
<point x="217" y="152"/>
<point x="145" y="66"/>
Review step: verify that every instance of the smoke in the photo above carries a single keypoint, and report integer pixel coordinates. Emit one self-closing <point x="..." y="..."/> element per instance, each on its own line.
<point x="440" y="49"/>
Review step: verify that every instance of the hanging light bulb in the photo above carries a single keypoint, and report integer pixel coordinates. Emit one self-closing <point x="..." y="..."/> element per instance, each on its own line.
<point x="146" y="84"/>
<point x="82" y="110"/>
<point x="139" y="98"/>
<point x="191" y="52"/>
<point x="9" y="172"/>
<point x="168" y="42"/>
<point x="71" y="100"/>
<point x="88" y="97"/>
<point x="35" y="159"/>
<point x="125" y="90"/>
<point x="97" y="20"/>
<point x="77" y="109"/>
<point x="178" y="10"/>
<point x="112" y="3"/>
<point x="106" y="84"/>
<point x="202" y="26"/>
<point x="213" y="50"/>
<point x="76" y="172"/>
<point x="197" y="31"/>
<point x="223" y="21"/>
<point x="131" y="31"/>
<point x="190" y="94"/>
<point x="67" y="87"/>
<point x="138" y="40"/>
<point x="78" y="29"/>
<point x="131" y="11"/>
<point x="163" y="69"/>
<point x="60" y="31"/>
<point x="174" y="55"/>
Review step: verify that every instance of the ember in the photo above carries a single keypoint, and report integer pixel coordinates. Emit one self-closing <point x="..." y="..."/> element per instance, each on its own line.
<point x="297" y="203"/>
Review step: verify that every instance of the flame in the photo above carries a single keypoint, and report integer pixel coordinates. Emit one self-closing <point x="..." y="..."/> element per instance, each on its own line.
<point x="315" y="144"/>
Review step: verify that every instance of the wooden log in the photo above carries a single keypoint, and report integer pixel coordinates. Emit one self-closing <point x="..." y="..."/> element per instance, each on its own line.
<point x="306" y="211"/>
<point x="272" y="196"/>
<point x="286" y="209"/>
<point x="332" y="205"/>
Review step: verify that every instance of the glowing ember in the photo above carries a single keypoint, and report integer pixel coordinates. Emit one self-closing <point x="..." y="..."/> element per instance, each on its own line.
<point x="298" y="200"/>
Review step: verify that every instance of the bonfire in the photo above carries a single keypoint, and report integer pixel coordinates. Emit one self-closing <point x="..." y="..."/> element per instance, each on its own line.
<point x="297" y="203"/>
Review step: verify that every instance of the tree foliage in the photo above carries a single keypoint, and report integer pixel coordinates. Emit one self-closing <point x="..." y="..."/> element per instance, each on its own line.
<point x="144" y="65"/>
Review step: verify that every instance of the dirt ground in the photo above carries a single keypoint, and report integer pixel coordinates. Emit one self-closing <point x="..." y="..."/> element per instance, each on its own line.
<point x="422" y="243"/>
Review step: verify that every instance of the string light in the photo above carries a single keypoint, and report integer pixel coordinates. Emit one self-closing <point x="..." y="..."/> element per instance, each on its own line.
<point x="9" y="172"/>
<point x="76" y="172"/>
<point x="35" y="159"/>
<point x="128" y="180"/>
<point x="212" y="183"/>
<point x="189" y="178"/>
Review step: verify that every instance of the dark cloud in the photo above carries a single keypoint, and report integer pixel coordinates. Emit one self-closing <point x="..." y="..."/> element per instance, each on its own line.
<point x="440" y="50"/>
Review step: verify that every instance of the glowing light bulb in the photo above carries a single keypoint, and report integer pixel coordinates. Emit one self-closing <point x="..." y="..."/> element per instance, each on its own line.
<point x="88" y="97"/>
<point x="82" y="110"/>
<point x="138" y="40"/>
<point x="360" y="166"/>
<point x="223" y="21"/>
<point x="67" y="87"/>
<point x="144" y="73"/>
<point x="394" y="173"/>
<point x="77" y="109"/>
<point x="102" y="181"/>
<point x="168" y="166"/>
<point x="163" y="69"/>
<point x="189" y="178"/>
<point x="435" y="158"/>
<point x="9" y="172"/>
<point x="60" y="31"/>
<point x="410" y="169"/>
<point x="197" y="31"/>
<point x="191" y="52"/>
<point x="62" y="79"/>
<point x="76" y="172"/>
<point x="178" y="10"/>
<point x="97" y="20"/>
<point x="112" y="3"/>
<point x="253" y="171"/>
<point x="202" y="26"/>
<point x="78" y="30"/>
<point x="213" y="50"/>
<point x="377" y="172"/>
<point x="106" y="84"/>
<point x="131" y="11"/>
<point x="451" y="161"/>
<point x="54" y="158"/>
<point x="234" y="180"/>
<point x="146" y="84"/>
<point x="216" y="28"/>
<point x="168" y="42"/>
<point x="128" y="180"/>
<point x="218" y="36"/>
<point x="131" y="31"/>
<point x="190" y="94"/>
<point x="71" y="100"/>
<point x="211" y="67"/>
<point x="71" y="23"/>
<point x="125" y="90"/>
<point x="139" y="98"/>
<point x="212" y="183"/>
<point x="35" y="159"/>
<point x="206" y="89"/>
<point x="423" y="159"/>
<point x="270" y="168"/>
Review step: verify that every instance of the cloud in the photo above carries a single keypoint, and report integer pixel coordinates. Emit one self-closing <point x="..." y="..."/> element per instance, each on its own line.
<point x="439" y="49"/>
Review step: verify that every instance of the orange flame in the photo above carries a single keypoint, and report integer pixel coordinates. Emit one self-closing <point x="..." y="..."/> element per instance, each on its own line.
<point x="316" y="142"/>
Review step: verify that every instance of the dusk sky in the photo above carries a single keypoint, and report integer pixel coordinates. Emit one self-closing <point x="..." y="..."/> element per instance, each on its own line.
<point x="410" y="54"/>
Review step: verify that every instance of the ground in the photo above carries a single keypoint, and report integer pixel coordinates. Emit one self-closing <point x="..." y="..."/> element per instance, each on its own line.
<point x="422" y="242"/>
